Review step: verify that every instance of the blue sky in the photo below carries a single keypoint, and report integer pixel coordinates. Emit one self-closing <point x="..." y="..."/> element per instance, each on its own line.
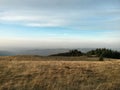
<point x="59" y="23"/>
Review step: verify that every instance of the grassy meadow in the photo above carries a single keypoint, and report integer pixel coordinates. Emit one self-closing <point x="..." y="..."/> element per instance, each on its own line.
<point x="58" y="73"/>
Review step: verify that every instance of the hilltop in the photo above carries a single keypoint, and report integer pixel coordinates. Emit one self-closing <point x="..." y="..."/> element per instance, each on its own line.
<point x="58" y="73"/>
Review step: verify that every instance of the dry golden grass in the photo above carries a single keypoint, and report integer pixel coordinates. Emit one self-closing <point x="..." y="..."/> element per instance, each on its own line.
<point x="42" y="74"/>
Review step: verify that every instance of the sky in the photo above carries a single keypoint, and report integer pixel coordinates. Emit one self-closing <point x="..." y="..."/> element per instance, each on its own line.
<point x="59" y="24"/>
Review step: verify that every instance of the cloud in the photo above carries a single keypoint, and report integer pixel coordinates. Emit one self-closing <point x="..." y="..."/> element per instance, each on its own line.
<point x="83" y="20"/>
<point x="31" y="19"/>
<point x="75" y="14"/>
<point x="58" y="4"/>
<point x="60" y="23"/>
<point x="43" y="25"/>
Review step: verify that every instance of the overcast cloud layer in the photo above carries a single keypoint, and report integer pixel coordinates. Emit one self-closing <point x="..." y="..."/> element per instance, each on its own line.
<point x="61" y="15"/>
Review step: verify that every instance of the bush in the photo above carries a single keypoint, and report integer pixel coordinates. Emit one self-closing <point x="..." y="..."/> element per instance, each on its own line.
<point x="101" y="58"/>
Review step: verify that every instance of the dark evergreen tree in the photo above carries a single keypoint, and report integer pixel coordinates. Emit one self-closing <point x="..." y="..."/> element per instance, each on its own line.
<point x="108" y="53"/>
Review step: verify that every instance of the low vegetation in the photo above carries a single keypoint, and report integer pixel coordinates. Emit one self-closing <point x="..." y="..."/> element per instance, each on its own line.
<point x="58" y="73"/>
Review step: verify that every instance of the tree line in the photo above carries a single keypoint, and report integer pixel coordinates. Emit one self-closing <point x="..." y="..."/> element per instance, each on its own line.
<point x="70" y="53"/>
<point x="99" y="52"/>
<point x="107" y="53"/>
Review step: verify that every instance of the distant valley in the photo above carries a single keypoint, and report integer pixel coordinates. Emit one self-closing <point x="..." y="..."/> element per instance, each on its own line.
<point x="42" y="52"/>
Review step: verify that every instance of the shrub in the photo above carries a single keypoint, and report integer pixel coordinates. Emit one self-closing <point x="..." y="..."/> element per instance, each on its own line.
<point x="101" y="58"/>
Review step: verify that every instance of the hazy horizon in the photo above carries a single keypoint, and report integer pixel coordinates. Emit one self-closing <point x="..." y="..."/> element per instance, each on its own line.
<point x="35" y="24"/>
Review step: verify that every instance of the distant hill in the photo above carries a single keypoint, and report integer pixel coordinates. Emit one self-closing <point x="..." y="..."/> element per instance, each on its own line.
<point x="69" y="53"/>
<point x="99" y="52"/>
<point x="42" y="52"/>
<point x="5" y="53"/>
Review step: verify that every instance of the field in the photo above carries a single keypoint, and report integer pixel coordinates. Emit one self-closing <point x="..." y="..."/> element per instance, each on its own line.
<point x="58" y="73"/>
